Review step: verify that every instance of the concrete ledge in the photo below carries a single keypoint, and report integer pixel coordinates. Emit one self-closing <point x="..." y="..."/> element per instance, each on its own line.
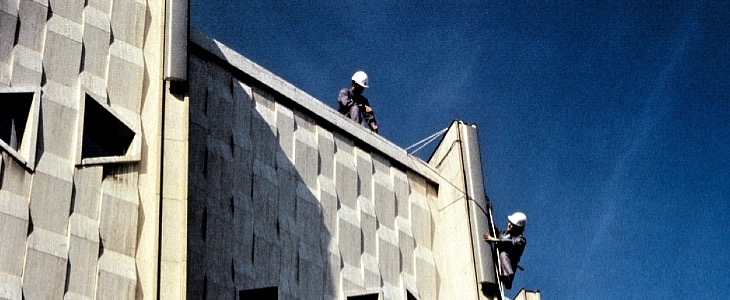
<point x="320" y="111"/>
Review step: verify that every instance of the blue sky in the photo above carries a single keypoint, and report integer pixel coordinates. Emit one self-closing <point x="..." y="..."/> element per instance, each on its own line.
<point x="607" y="123"/>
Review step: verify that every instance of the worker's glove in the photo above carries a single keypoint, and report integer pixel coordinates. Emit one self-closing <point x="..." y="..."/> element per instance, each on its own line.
<point x="374" y="127"/>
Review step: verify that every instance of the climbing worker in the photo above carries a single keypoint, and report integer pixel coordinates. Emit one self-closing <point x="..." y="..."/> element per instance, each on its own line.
<point x="511" y="243"/>
<point x="354" y="105"/>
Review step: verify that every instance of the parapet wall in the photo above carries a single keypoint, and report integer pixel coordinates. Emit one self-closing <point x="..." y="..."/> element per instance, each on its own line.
<point x="309" y="202"/>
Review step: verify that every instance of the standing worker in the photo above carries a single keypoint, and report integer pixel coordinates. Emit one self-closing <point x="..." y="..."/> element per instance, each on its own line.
<point x="511" y="243"/>
<point x="354" y="105"/>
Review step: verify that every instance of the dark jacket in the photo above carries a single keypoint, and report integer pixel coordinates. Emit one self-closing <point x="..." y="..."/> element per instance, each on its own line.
<point x="353" y="106"/>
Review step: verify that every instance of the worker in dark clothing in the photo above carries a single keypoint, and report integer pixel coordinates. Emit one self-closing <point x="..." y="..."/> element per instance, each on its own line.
<point x="511" y="243"/>
<point x="354" y="105"/>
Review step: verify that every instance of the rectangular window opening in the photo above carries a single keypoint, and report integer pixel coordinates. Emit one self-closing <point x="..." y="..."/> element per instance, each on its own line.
<point x="267" y="293"/>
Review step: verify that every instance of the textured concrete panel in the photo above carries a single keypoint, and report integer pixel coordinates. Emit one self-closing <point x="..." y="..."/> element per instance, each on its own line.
<point x="328" y="202"/>
<point x="221" y="112"/>
<point x="421" y="222"/>
<point x="33" y="17"/>
<point x="11" y="287"/>
<point x="333" y="261"/>
<point x="118" y="224"/>
<point x="381" y="165"/>
<point x="263" y="99"/>
<point x="288" y="283"/>
<point x="242" y="114"/>
<point x="401" y="190"/>
<point x="9" y="6"/>
<point x="267" y="260"/>
<point x="309" y="217"/>
<point x="218" y="257"/>
<point x="4" y="74"/>
<point x="243" y="219"/>
<point x="125" y="80"/>
<point x="70" y="9"/>
<point x="117" y="276"/>
<point x="388" y="255"/>
<point x="352" y="280"/>
<point x="310" y="272"/>
<point x="45" y="265"/>
<point x="195" y="273"/>
<point x="347" y="182"/>
<point x="8" y="25"/>
<point x="54" y="137"/>
<point x="326" y="148"/>
<point x="50" y="203"/>
<point x="15" y="179"/>
<point x="62" y="51"/>
<point x="406" y="245"/>
<point x="264" y="143"/>
<point x="87" y="191"/>
<point x="369" y="226"/>
<point x="198" y="151"/>
<point x="197" y="219"/>
<point x="428" y="277"/>
<point x="92" y="85"/>
<point x="128" y="17"/>
<point x="96" y="46"/>
<point x="349" y="237"/>
<point x="13" y="230"/>
<point x="287" y="197"/>
<point x="83" y="256"/>
<point x="27" y="67"/>
<point x="242" y="168"/>
<point x="364" y="174"/>
<point x="217" y="290"/>
<point x="265" y="199"/>
<point x="371" y="274"/>
<point x="305" y="122"/>
<point x="102" y="5"/>
<point x="198" y="93"/>
<point x="63" y="94"/>
<point x="219" y="79"/>
<point x="285" y="137"/>
<point x="385" y="205"/>
<point x="307" y="158"/>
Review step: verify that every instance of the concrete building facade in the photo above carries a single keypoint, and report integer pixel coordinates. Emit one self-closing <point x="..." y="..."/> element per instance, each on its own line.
<point x="140" y="161"/>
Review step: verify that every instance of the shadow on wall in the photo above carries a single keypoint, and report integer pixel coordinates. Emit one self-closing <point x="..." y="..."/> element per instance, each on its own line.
<point x="255" y="224"/>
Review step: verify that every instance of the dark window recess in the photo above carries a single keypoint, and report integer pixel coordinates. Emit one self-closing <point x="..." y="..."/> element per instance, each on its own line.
<point x="13" y="117"/>
<point x="104" y="134"/>
<point x="410" y="296"/>
<point x="269" y="293"/>
<point x="364" y="297"/>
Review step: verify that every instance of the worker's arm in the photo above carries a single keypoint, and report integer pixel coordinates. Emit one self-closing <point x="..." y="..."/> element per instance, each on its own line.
<point x="345" y="100"/>
<point x="369" y="114"/>
<point x="370" y="118"/>
<point x="515" y="240"/>
<point x="489" y="238"/>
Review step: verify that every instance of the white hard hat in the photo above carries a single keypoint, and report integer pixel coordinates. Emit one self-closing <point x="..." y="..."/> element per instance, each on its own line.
<point x="360" y="78"/>
<point x="518" y="219"/>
